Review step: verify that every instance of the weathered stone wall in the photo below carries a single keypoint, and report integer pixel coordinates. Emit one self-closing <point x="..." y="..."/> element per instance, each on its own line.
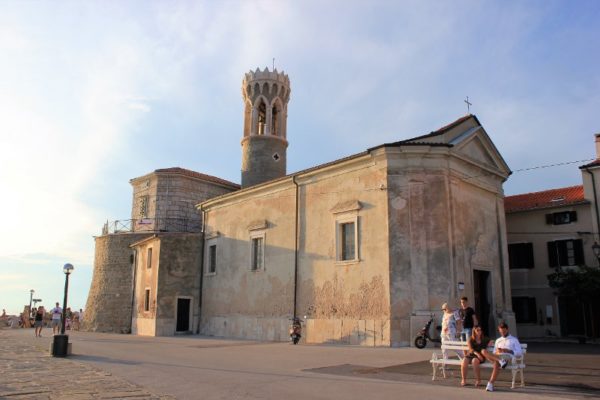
<point x="108" y="307"/>
<point x="263" y="159"/>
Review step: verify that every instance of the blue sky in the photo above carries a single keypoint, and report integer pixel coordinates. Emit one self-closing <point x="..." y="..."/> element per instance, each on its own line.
<point x="95" y="93"/>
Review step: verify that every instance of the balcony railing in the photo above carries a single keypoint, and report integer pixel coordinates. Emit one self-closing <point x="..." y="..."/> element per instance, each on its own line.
<point x="152" y="225"/>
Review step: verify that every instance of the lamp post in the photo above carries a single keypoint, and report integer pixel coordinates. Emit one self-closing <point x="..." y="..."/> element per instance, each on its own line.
<point x="31" y="292"/>
<point x="61" y="342"/>
<point x="596" y="249"/>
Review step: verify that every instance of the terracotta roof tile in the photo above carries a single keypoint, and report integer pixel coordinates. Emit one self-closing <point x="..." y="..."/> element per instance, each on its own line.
<point x="546" y="199"/>
<point x="194" y="174"/>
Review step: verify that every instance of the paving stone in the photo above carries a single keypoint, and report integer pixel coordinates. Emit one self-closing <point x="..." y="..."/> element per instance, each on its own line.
<point x="29" y="372"/>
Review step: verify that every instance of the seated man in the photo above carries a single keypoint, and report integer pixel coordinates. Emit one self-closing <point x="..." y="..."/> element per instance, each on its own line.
<point x="505" y="348"/>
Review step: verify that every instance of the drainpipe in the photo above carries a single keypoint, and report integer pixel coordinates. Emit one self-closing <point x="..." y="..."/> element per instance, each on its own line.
<point x="203" y="231"/>
<point x="134" y="263"/>
<point x="296" y="250"/>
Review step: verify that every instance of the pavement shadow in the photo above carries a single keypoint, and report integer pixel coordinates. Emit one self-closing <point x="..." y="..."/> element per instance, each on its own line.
<point x="100" y="359"/>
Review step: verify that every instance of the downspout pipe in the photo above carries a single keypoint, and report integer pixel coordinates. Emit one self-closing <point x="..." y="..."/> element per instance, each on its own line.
<point x="296" y="250"/>
<point x="133" y="287"/>
<point x="201" y="272"/>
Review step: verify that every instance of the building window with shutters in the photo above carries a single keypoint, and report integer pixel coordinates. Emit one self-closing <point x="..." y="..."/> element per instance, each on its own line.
<point x="561" y="218"/>
<point x="564" y="253"/>
<point x="520" y="255"/>
<point x="525" y="309"/>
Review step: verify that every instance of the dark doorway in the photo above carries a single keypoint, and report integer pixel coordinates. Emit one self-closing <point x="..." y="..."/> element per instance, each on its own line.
<point x="481" y="282"/>
<point x="183" y="315"/>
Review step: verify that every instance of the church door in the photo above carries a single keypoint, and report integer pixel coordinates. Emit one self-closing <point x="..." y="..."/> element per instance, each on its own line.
<point x="481" y="291"/>
<point x="183" y="315"/>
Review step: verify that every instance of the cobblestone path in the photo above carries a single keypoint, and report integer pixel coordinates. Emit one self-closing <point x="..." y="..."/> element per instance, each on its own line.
<point x="27" y="371"/>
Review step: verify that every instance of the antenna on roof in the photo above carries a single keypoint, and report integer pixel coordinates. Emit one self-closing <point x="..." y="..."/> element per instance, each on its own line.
<point x="468" y="105"/>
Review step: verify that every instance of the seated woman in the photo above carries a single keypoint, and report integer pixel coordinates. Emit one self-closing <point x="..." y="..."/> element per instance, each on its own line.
<point x="477" y="347"/>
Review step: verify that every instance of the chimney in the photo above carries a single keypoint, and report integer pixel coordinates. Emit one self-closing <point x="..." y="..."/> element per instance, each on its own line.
<point x="597" y="145"/>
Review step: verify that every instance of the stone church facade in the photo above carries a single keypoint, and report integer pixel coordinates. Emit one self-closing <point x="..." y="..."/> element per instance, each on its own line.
<point x="365" y="247"/>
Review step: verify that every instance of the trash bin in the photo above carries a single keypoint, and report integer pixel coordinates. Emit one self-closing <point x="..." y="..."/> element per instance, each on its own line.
<point x="60" y="345"/>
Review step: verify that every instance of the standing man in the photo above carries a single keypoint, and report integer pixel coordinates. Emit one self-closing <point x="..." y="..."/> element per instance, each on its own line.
<point x="469" y="319"/>
<point x="56" y="318"/>
<point x="506" y="347"/>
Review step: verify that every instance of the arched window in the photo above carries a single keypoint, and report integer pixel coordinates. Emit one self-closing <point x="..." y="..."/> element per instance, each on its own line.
<point x="262" y="118"/>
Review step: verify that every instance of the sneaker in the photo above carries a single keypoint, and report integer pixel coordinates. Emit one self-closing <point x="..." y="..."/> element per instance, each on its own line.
<point x="503" y="363"/>
<point x="489" y="387"/>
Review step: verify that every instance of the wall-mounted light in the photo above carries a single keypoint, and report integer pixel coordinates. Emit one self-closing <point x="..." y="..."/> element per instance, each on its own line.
<point x="461" y="286"/>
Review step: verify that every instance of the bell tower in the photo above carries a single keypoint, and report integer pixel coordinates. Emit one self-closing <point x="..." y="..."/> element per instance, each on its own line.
<point x="266" y="95"/>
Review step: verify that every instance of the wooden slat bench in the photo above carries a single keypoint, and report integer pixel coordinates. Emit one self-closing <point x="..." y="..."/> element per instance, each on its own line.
<point x="453" y="353"/>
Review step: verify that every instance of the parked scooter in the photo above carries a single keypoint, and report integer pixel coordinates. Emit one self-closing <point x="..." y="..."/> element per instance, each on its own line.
<point x="296" y="330"/>
<point x="424" y="336"/>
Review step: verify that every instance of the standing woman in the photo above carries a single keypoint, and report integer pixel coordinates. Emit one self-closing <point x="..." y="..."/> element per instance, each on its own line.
<point x="448" y="323"/>
<point x="39" y="321"/>
<point x="477" y="344"/>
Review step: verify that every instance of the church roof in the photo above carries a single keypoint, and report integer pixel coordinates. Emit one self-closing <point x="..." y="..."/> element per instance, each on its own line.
<point x="545" y="199"/>
<point x="419" y="140"/>
<point x="198" y="175"/>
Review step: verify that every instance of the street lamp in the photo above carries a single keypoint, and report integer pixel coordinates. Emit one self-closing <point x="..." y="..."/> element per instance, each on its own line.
<point x="596" y="249"/>
<point x="31" y="292"/>
<point x="61" y="342"/>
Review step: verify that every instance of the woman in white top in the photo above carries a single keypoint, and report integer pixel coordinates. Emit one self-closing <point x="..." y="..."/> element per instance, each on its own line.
<point x="448" y="323"/>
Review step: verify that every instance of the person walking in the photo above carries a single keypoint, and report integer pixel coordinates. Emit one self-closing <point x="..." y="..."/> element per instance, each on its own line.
<point x="505" y="348"/>
<point x="56" y="319"/>
<point x="468" y="317"/>
<point x="39" y="321"/>
<point x="448" y="323"/>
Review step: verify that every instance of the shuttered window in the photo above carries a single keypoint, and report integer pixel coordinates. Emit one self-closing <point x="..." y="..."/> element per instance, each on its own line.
<point x="563" y="253"/>
<point x="520" y="255"/>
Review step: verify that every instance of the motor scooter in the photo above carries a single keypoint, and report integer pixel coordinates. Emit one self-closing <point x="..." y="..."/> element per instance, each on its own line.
<point x="423" y="336"/>
<point x="296" y="330"/>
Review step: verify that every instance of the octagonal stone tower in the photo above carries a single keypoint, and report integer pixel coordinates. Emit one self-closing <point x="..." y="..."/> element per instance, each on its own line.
<point x="266" y="95"/>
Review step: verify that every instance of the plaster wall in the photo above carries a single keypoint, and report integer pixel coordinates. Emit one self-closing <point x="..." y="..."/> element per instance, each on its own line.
<point x="442" y="228"/>
<point x="146" y="278"/>
<point x="345" y="302"/>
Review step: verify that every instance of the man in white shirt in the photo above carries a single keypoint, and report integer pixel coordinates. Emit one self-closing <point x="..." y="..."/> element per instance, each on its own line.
<point x="505" y="348"/>
<point x="56" y="318"/>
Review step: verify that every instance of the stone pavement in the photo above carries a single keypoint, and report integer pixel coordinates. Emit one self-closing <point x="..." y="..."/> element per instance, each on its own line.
<point x="27" y="371"/>
<point x="193" y="367"/>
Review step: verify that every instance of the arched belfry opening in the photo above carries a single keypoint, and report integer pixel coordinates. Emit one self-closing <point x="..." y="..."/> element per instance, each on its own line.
<point x="266" y="94"/>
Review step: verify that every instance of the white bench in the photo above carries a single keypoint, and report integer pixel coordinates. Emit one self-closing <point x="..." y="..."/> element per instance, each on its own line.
<point x="453" y="353"/>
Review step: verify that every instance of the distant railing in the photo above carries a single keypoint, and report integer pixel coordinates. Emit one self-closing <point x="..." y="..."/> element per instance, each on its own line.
<point x="152" y="225"/>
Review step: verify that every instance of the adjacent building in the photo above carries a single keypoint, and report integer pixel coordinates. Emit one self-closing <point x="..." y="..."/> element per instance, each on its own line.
<point x="549" y="230"/>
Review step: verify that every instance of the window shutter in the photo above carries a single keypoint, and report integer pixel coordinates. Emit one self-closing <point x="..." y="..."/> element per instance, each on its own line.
<point x="552" y="255"/>
<point x="573" y="216"/>
<point x="578" y="247"/>
<point x="549" y="219"/>
<point x="532" y="309"/>
<point x="529" y="255"/>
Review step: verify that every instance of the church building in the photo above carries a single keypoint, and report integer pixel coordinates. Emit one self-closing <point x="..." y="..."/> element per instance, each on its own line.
<point x="363" y="249"/>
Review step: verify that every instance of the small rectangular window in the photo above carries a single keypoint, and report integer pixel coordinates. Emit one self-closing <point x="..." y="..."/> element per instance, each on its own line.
<point x="348" y="241"/>
<point x="212" y="259"/>
<point x="561" y="218"/>
<point x="149" y="258"/>
<point x="147" y="300"/>
<point x="520" y="255"/>
<point x="525" y="309"/>
<point x="257" y="253"/>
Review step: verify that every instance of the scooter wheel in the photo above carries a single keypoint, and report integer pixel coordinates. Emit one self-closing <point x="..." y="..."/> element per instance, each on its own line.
<point x="420" y="342"/>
